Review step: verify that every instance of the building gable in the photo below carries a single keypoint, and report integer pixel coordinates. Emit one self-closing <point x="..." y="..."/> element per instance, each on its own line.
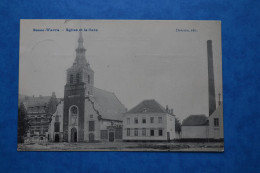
<point x="147" y="106"/>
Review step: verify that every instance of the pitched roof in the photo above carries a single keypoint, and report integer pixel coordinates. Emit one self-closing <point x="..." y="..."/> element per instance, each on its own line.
<point x="108" y="105"/>
<point x="36" y="101"/>
<point x="195" y="120"/>
<point x="148" y="106"/>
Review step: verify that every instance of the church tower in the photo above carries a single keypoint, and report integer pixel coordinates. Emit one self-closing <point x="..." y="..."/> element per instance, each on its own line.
<point x="79" y="84"/>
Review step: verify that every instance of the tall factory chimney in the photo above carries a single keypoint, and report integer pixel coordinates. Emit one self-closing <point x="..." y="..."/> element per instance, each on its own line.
<point x="212" y="97"/>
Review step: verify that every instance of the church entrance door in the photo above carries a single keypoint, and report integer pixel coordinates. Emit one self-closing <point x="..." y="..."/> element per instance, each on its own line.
<point x="111" y="136"/>
<point x="91" y="137"/>
<point x="74" y="136"/>
<point x="57" y="138"/>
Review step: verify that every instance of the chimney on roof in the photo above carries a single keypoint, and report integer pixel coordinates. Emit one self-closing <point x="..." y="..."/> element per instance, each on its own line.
<point x="167" y="109"/>
<point x="53" y="94"/>
<point x="211" y="82"/>
<point x="171" y="111"/>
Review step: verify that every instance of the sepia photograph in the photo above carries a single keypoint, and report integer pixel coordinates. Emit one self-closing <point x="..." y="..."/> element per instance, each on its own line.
<point x="120" y="85"/>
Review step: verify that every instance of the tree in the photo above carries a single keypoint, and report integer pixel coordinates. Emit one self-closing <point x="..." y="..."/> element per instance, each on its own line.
<point x="177" y="125"/>
<point x="23" y="123"/>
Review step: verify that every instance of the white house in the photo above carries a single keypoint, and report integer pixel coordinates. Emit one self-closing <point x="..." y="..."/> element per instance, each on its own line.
<point x="216" y="123"/>
<point x="202" y="127"/>
<point x="195" y="127"/>
<point x="148" y="121"/>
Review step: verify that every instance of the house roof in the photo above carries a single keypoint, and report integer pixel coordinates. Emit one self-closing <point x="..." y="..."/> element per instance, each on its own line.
<point x="108" y="105"/>
<point x="147" y="106"/>
<point x="36" y="101"/>
<point x="195" y="120"/>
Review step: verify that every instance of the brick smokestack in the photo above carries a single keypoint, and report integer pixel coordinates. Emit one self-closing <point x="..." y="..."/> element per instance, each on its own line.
<point x="211" y="85"/>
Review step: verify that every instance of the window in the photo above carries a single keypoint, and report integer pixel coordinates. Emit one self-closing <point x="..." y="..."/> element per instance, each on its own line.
<point x="91" y="115"/>
<point x="78" y="77"/>
<point x="91" y="126"/>
<point x="136" y="132"/>
<point x="151" y="119"/>
<point x="144" y="120"/>
<point x="57" y="127"/>
<point x="57" y="118"/>
<point x="216" y="122"/>
<point x="74" y="110"/>
<point x="151" y="132"/>
<point x="128" y="132"/>
<point x="71" y="78"/>
<point x="74" y="115"/>
<point x="136" y="120"/>
<point x="88" y="79"/>
<point x="128" y="120"/>
<point x="144" y="131"/>
<point x="160" y="132"/>
<point x="159" y="119"/>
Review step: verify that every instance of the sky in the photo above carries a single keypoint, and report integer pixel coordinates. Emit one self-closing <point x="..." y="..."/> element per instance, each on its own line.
<point x="136" y="60"/>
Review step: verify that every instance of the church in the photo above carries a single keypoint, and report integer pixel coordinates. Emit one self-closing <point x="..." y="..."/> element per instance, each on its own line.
<point x="86" y="113"/>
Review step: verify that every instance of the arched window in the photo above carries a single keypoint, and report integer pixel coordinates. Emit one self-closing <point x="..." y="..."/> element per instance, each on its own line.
<point x="74" y="110"/>
<point x="74" y="115"/>
<point x="71" y="78"/>
<point x="78" y="77"/>
<point x="88" y="79"/>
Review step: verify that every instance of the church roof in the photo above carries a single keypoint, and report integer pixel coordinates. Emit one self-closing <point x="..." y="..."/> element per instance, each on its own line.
<point x="108" y="105"/>
<point x="148" y="106"/>
<point x="195" y="120"/>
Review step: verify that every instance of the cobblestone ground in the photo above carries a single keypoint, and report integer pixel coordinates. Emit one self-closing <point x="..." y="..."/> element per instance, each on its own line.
<point x="125" y="146"/>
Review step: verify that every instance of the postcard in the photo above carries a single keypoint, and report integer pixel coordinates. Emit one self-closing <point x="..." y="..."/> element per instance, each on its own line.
<point x="120" y="85"/>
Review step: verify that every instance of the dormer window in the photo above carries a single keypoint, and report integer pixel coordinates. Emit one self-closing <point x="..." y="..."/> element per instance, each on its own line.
<point x="71" y="78"/>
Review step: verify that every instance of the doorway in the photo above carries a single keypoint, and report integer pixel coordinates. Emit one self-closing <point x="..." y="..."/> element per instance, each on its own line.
<point x="111" y="136"/>
<point x="74" y="135"/>
<point x="91" y="137"/>
<point x="57" y="138"/>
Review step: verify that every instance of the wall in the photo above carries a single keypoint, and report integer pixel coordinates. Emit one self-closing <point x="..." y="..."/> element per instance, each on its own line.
<point x="171" y="126"/>
<point x="59" y="113"/>
<point x="194" y="132"/>
<point x="156" y="126"/>
<point x="89" y="110"/>
<point x="216" y="132"/>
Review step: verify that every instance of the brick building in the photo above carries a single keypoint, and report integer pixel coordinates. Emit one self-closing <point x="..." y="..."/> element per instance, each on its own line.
<point x="39" y="111"/>
<point x="86" y="114"/>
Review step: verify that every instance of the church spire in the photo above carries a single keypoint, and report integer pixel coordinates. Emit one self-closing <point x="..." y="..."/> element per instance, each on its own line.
<point x="80" y="52"/>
